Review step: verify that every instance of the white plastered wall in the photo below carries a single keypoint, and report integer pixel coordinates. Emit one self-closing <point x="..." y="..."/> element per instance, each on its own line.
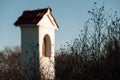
<point x="47" y="27"/>
<point x="29" y="41"/>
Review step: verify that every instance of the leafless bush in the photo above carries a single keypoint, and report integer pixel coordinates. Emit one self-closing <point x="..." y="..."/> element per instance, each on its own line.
<point x="92" y="56"/>
<point x="10" y="60"/>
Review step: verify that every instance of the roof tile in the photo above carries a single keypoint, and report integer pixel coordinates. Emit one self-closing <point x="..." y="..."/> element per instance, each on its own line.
<point x="31" y="17"/>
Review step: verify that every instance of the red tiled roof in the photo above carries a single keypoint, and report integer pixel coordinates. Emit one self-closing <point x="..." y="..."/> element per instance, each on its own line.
<point x="31" y="17"/>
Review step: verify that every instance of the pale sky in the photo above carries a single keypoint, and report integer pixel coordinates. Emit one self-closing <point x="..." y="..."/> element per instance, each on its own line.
<point x="69" y="14"/>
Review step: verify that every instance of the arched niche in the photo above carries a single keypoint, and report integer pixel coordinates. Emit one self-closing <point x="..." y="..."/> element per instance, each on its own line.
<point x="46" y="46"/>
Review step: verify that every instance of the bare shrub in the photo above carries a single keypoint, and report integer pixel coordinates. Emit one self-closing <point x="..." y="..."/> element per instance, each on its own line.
<point x="92" y="56"/>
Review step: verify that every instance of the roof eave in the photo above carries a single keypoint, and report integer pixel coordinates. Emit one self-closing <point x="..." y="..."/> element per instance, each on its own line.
<point x="21" y="25"/>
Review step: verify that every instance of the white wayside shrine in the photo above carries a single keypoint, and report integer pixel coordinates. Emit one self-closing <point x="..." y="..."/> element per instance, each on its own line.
<point x="37" y="43"/>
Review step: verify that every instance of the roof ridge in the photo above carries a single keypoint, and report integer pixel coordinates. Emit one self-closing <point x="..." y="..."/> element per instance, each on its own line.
<point x="39" y="9"/>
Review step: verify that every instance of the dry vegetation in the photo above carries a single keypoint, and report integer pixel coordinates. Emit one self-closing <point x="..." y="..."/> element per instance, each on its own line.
<point x="90" y="56"/>
<point x="10" y="64"/>
<point x="93" y="55"/>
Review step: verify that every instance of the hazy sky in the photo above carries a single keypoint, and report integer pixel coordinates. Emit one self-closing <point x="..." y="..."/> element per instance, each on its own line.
<point x="69" y="14"/>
